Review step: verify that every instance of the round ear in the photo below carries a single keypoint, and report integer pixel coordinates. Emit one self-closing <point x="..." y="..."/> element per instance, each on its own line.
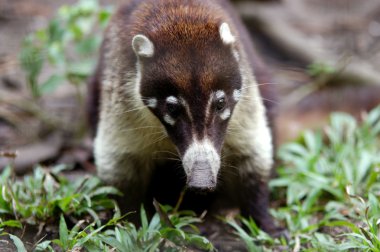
<point x="142" y="46"/>
<point x="226" y="35"/>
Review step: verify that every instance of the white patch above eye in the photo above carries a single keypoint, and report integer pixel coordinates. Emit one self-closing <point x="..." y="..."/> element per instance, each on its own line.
<point x="225" y="114"/>
<point x="152" y="102"/>
<point x="187" y="108"/>
<point x="142" y="46"/>
<point x="219" y="94"/>
<point x="236" y="54"/>
<point x="237" y="94"/>
<point x="226" y="35"/>
<point x="172" y="100"/>
<point x="169" y="120"/>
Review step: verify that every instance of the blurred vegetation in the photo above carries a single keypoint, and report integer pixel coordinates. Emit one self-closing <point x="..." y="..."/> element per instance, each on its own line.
<point x="331" y="182"/>
<point x="69" y="44"/>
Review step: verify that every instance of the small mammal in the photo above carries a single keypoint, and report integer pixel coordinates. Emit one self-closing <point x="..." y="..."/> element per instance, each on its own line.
<point x="179" y="79"/>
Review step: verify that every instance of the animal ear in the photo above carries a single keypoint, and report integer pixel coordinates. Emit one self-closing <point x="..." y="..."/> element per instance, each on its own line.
<point x="142" y="46"/>
<point x="226" y="35"/>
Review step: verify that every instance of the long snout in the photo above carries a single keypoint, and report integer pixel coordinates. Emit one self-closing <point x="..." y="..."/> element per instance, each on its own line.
<point x="201" y="163"/>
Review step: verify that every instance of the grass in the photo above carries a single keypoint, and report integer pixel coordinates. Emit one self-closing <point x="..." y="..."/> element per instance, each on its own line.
<point x="45" y="195"/>
<point x="327" y="189"/>
<point x="330" y="180"/>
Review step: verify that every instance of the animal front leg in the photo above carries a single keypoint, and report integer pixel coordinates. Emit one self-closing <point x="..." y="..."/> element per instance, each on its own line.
<point x="254" y="196"/>
<point x="254" y="202"/>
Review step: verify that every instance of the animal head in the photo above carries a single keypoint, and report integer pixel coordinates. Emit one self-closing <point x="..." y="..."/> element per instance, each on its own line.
<point x="190" y="80"/>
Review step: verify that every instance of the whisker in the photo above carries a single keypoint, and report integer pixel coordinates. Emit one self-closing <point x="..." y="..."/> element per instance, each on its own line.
<point x="131" y="110"/>
<point x="145" y="127"/>
<point x="272" y="101"/>
<point x="169" y="152"/>
<point x="259" y="84"/>
<point x="254" y="98"/>
<point x="165" y="158"/>
<point x="159" y="139"/>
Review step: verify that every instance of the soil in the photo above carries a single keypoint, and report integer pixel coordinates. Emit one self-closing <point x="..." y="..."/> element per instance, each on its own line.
<point x="329" y="31"/>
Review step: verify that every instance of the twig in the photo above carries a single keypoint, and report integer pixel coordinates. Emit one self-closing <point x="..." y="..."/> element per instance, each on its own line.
<point x="163" y="216"/>
<point x="180" y="200"/>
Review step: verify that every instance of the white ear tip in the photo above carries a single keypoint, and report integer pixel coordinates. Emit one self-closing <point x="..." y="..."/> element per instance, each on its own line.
<point x="142" y="46"/>
<point x="226" y="35"/>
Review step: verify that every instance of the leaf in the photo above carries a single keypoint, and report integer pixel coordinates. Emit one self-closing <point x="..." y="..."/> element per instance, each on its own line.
<point x="366" y="234"/>
<point x="294" y="148"/>
<point x="81" y="69"/>
<point x="373" y="116"/>
<point x="88" y="46"/>
<point x="18" y="243"/>
<point x="280" y="182"/>
<point x="248" y="240"/>
<point x="342" y="223"/>
<point x="312" y="141"/>
<point x="51" y="84"/>
<point x="11" y="223"/>
<point x="311" y="199"/>
<point x="363" y="167"/>
<point x="63" y="233"/>
<point x="43" y="247"/>
<point x="5" y="175"/>
<point x="200" y="242"/>
<point x="64" y="203"/>
<point x="104" y="16"/>
<point x="144" y="219"/>
<point x="111" y="241"/>
<point x="105" y="190"/>
<point x="173" y="234"/>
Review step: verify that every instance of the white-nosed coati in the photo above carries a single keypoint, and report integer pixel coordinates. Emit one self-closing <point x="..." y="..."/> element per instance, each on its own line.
<point x="180" y="106"/>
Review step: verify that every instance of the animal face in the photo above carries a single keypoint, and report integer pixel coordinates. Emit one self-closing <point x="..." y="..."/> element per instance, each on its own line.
<point x="192" y="90"/>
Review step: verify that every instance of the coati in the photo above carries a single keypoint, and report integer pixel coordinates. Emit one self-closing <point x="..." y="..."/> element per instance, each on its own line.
<point x="180" y="93"/>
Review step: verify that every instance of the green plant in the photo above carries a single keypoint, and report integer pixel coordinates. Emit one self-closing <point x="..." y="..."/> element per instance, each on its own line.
<point x="318" y="68"/>
<point x="348" y="154"/>
<point x="366" y="236"/>
<point x="158" y="234"/>
<point x="69" y="44"/>
<point x="43" y="195"/>
<point x="325" y="176"/>
<point x="122" y="236"/>
<point x="252" y="235"/>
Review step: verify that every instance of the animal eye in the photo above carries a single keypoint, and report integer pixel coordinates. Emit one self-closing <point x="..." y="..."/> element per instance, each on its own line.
<point x="173" y="109"/>
<point x="220" y="104"/>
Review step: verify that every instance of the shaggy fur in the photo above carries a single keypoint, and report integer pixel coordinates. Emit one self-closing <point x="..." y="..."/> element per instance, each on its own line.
<point x="157" y="51"/>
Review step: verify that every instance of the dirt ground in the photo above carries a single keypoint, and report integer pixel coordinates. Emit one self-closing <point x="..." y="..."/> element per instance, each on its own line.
<point x="290" y="34"/>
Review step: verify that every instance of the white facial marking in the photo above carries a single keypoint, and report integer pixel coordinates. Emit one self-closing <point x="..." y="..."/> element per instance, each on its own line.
<point x="142" y="46"/>
<point x="236" y="55"/>
<point x="152" y="103"/>
<point x="209" y="103"/>
<point x="187" y="109"/>
<point x="169" y="120"/>
<point x="172" y="100"/>
<point x="203" y="151"/>
<point x="226" y="35"/>
<point x="226" y="114"/>
<point x="219" y="94"/>
<point x="237" y="94"/>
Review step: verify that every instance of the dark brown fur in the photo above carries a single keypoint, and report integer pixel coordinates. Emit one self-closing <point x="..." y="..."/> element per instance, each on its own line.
<point x="199" y="42"/>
